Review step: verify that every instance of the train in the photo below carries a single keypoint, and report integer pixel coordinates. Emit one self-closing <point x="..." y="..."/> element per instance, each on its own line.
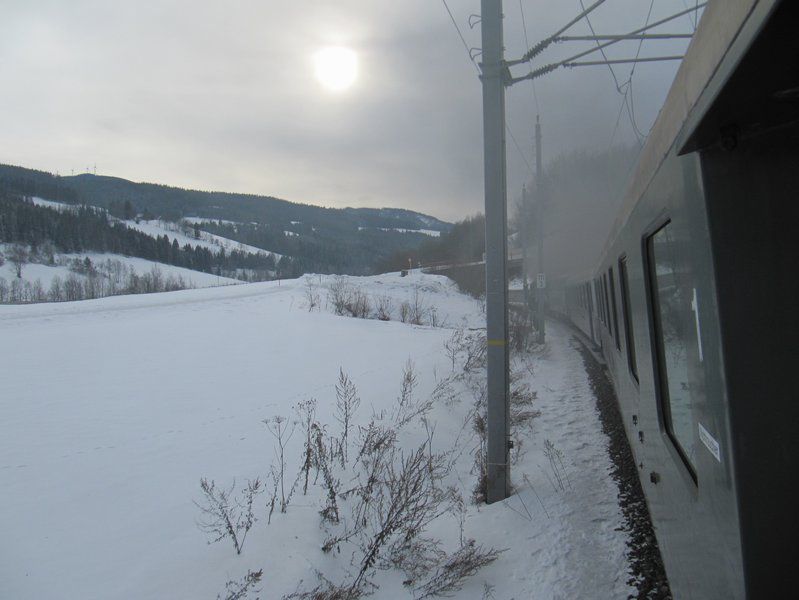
<point x="693" y="304"/>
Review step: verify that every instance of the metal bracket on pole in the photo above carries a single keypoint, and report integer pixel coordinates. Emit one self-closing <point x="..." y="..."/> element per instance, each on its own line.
<point x="494" y="79"/>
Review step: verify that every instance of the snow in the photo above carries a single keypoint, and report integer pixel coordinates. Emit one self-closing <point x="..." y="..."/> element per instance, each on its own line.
<point x="32" y="272"/>
<point x="59" y="206"/>
<point x="46" y="273"/>
<point x="201" y="220"/>
<point x="215" y="243"/>
<point x="430" y="232"/>
<point x="113" y="410"/>
<point x="156" y="228"/>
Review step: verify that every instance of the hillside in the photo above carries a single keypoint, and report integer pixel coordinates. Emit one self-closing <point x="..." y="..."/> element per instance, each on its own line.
<point x="346" y="240"/>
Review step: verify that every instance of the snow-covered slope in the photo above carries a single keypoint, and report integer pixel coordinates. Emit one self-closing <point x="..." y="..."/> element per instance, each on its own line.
<point x="215" y="243"/>
<point x="113" y="409"/>
<point x="156" y="228"/>
<point x="45" y="273"/>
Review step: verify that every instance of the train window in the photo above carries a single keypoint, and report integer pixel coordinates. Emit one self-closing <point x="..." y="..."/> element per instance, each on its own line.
<point x="607" y="301"/>
<point x="614" y="308"/>
<point x="629" y="337"/>
<point x="598" y="300"/>
<point x="601" y="299"/>
<point x="671" y="312"/>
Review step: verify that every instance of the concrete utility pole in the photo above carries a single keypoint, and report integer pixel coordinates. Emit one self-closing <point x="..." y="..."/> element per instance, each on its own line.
<point x="494" y="79"/>
<point x="541" y="281"/>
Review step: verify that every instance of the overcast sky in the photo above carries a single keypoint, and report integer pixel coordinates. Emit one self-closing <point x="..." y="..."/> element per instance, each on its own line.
<point x="222" y="95"/>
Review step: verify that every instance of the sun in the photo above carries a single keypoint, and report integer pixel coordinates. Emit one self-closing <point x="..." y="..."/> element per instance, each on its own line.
<point x="336" y="68"/>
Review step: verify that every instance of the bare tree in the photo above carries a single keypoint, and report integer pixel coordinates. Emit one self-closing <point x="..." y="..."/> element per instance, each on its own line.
<point x="56" y="293"/>
<point x="453" y="346"/>
<point x="19" y="257"/>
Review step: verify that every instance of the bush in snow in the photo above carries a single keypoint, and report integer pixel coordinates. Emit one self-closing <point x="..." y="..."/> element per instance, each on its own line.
<point x="224" y="516"/>
<point x="339" y="294"/>
<point x="450" y="576"/>
<point x="312" y="297"/>
<point x="378" y="498"/>
<point x="236" y="590"/>
<point x="347" y="402"/>
<point x="282" y="433"/>
<point x="405" y="311"/>
<point x="383" y="307"/>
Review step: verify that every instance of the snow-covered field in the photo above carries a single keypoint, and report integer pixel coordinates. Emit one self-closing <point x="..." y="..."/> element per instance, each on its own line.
<point x="113" y="409"/>
<point x="45" y="273"/>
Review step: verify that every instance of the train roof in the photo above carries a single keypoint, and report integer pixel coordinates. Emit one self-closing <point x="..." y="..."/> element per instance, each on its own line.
<point x="724" y="34"/>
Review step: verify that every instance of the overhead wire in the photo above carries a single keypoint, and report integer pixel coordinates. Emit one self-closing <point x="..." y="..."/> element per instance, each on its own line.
<point x="549" y="68"/>
<point x="519" y="148"/>
<point x="639" y="135"/>
<point x="460" y="35"/>
<point x="632" y="72"/>
<point x="471" y="59"/>
<point x="533" y="51"/>
<point x="527" y="45"/>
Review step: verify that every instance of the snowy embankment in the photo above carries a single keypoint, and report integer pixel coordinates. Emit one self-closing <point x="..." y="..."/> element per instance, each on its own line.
<point x="114" y="409"/>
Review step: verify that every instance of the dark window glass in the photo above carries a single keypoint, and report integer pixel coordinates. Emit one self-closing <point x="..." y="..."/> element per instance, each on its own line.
<point x="606" y="300"/>
<point x="671" y="304"/>
<point x="626" y="310"/>
<point x="600" y="304"/>
<point x="614" y="308"/>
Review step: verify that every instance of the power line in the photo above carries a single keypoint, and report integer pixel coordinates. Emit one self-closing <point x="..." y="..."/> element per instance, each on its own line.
<point x="622" y="61"/>
<point x="460" y="35"/>
<point x="552" y="67"/>
<point x="521" y="152"/>
<point x="618" y="119"/>
<point x="469" y="54"/>
<point x="601" y="49"/>
<point x="632" y="72"/>
<point x="527" y="44"/>
<point x="641" y="36"/>
<point x="542" y="45"/>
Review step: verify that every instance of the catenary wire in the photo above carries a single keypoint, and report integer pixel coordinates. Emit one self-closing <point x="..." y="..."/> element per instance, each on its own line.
<point x="460" y="35"/>
<point x="527" y="44"/>
<point x="466" y="47"/>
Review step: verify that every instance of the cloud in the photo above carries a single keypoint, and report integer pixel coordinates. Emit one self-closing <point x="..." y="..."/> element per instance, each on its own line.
<point x="222" y="96"/>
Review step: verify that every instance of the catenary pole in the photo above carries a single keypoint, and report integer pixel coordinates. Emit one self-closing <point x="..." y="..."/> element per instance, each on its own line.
<point x="541" y="279"/>
<point x="494" y="78"/>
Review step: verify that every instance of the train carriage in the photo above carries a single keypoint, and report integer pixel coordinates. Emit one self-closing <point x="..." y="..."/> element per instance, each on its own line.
<point x="694" y="306"/>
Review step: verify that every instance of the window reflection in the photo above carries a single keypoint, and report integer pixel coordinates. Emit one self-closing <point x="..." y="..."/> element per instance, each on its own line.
<point x="672" y="294"/>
